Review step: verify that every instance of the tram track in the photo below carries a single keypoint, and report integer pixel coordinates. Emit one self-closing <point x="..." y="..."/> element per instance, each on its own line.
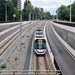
<point x="42" y="65"/>
<point x="42" y="62"/>
<point x="4" y="45"/>
<point x="46" y="60"/>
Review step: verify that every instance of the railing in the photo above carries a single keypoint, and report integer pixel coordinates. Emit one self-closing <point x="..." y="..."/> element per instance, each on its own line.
<point x="27" y="72"/>
<point x="65" y="23"/>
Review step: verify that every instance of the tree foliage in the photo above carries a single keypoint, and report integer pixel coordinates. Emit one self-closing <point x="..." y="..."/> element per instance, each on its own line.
<point x="47" y="15"/>
<point x="64" y="12"/>
<point x="73" y="12"/>
<point x="11" y="9"/>
<point x="15" y="3"/>
<point x="28" y="9"/>
<point x="2" y="10"/>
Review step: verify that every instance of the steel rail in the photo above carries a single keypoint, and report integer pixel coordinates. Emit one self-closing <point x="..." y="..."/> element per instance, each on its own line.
<point x="7" y="42"/>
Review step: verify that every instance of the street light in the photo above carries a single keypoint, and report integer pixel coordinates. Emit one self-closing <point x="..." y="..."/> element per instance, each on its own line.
<point x="29" y="16"/>
<point x="36" y="16"/>
<point x="5" y="11"/>
<point x="70" y="10"/>
<point x="53" y="9"/>
<point x="20" y="9"/>
<point x="57" y="8"/>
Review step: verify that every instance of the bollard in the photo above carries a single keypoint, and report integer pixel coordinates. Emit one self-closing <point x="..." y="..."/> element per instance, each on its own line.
<point x="13" y="72"/>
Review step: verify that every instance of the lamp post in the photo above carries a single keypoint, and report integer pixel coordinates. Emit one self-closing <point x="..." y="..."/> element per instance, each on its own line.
<point x="20" y="9"/>
<point x="70" y="10"/>
<point x="5" y="11"/>
<point x="36" y="16"/>
<point x="29" y="16"/>
<point x="53" y="13"/>
<point x="57" y="8"/>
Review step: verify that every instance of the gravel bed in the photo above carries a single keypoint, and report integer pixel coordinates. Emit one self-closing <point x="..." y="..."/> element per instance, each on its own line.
<point x="16" y="60"/>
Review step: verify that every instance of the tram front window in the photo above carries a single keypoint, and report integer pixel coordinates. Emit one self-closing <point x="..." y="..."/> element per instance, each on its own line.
<point x="40" y="44"/>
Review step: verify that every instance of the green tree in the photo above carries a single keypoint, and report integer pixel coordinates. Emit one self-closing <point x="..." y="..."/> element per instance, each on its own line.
<point x="47" y="15"/>
<point x="2" y="10"/>
<point x="37" y="12"/>
<point x="73" y="12"/>
<point x="10" y="10"/>
<point x="63" y="13"/>
<point x="25" y="4"/>
<point x="28" y="9"/>
<point x="15" y="3"/>
<point x="16" y="12"/>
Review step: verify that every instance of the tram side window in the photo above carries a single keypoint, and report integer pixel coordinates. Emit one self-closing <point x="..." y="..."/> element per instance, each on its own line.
<point x="35" y="45"/>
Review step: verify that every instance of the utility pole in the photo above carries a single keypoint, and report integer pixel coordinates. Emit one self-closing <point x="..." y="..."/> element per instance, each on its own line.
<point x="70" y="10"/>
<point x="52" y="13"/>
<point x="36" y="19"/>
<point x="20" y="9"/>
<point x="5" y="11"/>
<point x="29" y="16"/>
<point x="41" y="15"/>
<point x="57" y="8"/>
<point x="36" y="16"/>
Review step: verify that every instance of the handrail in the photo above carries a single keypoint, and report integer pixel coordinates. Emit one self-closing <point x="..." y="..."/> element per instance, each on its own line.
<point x="31" y="72"/>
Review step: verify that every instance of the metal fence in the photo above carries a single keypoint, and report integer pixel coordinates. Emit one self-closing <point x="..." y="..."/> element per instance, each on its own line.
<point x="27" y="72"/>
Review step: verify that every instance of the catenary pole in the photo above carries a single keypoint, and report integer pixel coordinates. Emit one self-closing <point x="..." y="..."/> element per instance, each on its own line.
<point x="20" y="9"/>
<point x="70" y="10"/>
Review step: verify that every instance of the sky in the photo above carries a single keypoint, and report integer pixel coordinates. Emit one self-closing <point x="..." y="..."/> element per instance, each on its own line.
<point x="49" y="5"/>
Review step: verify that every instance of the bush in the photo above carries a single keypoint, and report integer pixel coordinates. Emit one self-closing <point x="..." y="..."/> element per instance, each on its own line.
<point x="22" y="43"/>
<point x="16" y="59"/>
<point x="3" y="66"/>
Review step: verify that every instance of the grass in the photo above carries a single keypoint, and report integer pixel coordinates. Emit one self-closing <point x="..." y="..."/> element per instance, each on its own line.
<point x="24" y="47"/>
<point x="16" y="46"/>
<point x="0" y="70"/>
<point x="8" y="57"/>
<point x="22" y="43"/>
<point x="16" y="58"/>
<point x="27" y="36"/>
<point x="3" y="66"/>
<point x="12" y="51"/>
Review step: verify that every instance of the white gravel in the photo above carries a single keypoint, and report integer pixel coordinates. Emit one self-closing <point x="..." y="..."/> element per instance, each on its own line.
<point x="16" y="60"/>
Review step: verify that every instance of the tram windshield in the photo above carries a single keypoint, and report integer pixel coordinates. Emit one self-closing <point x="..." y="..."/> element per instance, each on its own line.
<point x="40" y="44"/>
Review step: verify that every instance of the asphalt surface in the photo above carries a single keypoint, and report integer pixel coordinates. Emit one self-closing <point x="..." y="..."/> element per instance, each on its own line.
<point x="65" y="62"/>
<point x="5" y="35"/>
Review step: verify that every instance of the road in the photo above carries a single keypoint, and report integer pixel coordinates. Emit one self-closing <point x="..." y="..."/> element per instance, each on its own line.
<point x="65" y="62"/>
<point x="6" y="34"/>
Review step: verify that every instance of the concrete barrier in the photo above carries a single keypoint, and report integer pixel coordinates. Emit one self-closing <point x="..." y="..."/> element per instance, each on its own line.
<point x="67" y="34"/>
<point x="6" y="26"/>
<point x="72" y="24"/>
